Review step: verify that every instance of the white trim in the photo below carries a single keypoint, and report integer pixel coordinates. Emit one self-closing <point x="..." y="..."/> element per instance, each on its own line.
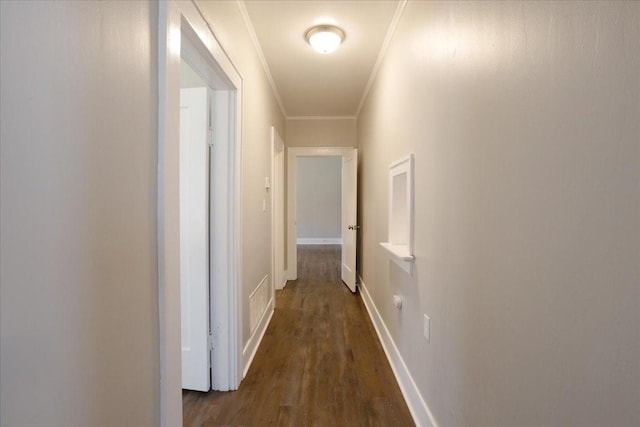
<point x="292" y="188"/>
<point x="285" y="277"/>
<point x="399" y="252"/>
<point x="276" y="190"/>
<point x="319" y="241"/>
<point x="174" y="18"/>
<point x="401" y="247"/>
<point x="168" y="213"/>
<point x="383" y="51"/>
<point x="262" y="282"/>
<point x="256" y="44"/>
<point x="321" y="117"/>
<point x="226" y="55"/>
<point x="419" y="409"/>
<point x="250" y="349"/>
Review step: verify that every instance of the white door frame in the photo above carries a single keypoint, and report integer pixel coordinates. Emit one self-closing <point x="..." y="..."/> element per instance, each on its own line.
<point x="292" y="189"/>
<point x="175" y="20"/>
<point x="277" y="215"/>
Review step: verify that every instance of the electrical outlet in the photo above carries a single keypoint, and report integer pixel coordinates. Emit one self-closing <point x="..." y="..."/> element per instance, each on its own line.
<point x="427" y="328"/>
<point x="397" y="301"/>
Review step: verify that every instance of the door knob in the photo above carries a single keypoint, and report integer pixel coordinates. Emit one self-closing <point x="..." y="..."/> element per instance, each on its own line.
<point x="353" y="227"/>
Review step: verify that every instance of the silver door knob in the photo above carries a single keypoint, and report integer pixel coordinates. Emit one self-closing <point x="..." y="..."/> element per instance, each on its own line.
<point x="353" y="227"/>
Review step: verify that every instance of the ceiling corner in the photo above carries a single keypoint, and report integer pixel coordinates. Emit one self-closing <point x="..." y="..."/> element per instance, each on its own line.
<point x="256" y="44"/>
<point x="383" y="50"/>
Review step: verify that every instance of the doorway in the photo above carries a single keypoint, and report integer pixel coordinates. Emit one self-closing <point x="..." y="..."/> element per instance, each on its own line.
<point x="184" y="35"/>
<point x="207" y="328"/>
<point x="301" y="232"/>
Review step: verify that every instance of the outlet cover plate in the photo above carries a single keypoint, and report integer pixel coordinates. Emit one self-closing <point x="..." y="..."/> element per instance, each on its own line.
<point x="427" y="328"/>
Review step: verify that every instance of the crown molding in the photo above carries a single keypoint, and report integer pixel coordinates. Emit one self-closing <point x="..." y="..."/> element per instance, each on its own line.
<point x="383" y="50"/>
<point x="256" y="44"/>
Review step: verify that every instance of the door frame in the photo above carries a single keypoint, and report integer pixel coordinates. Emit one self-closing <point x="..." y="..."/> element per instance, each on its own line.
<point x="277" y="193"/>
<point x="175" y="20"/>
<point x="292" y="189"/>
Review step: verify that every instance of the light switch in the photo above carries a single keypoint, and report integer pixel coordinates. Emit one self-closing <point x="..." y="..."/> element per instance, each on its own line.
<point x="264" y="205"/>
<point x="267" y="182"/>
<point x="427" y="328"/>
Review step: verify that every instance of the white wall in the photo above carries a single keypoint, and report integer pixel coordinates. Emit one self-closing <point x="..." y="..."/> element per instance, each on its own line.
<point x="78" y="264"/>
<point x="319" y="198"/>
<point x="189" y="77"/>
<point x="524" y="119"/>
<point x="330" y="132"/>
<point x="260" y="112"/>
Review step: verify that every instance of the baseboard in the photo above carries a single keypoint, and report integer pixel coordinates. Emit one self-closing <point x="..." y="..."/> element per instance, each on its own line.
<point x="319" y="241"/>
<point x="286" y="277"/>
<point x="420" y="412"/>
<point x="250" y="349"/>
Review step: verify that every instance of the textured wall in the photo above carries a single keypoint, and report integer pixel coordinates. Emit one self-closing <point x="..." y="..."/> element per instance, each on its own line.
<point x="524" y="120"/>
<point x="78" y="265"/>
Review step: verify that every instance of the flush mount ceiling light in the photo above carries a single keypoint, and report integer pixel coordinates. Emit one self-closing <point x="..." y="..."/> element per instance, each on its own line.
<point x="325" y="38"/>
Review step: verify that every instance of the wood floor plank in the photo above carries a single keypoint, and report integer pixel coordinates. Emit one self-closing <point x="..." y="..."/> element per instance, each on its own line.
<point x="319" y="364"/>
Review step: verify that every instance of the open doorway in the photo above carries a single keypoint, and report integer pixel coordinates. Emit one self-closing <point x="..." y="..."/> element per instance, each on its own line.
<point x="207" y="120"/>
<point x="319" y="200"/>
<point x="322" y="205"/>
<point x="184" y="35"/>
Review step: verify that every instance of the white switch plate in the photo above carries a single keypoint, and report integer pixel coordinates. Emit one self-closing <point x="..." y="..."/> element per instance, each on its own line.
<point x="267" y="182"/>
<point x="427" y="328"/>
<point x="264" y="205"/>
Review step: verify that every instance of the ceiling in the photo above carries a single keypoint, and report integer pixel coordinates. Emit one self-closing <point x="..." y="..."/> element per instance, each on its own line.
<point x="308" y="83"/>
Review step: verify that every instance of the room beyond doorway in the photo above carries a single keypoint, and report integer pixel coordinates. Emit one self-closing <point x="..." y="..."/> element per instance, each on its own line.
<point x="317" y="218"/>
<point x="319" y="196"/>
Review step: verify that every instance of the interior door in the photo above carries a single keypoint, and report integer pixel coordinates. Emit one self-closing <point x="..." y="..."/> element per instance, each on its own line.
<point x="349" y="218"/>
<point x="194" y="238"/>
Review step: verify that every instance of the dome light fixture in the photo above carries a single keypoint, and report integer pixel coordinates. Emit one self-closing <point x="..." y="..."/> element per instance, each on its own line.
<point x="324" y="38"/>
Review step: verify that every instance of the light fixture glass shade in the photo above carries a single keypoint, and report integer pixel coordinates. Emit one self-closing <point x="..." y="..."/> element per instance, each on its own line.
<point x="325" y="38"/>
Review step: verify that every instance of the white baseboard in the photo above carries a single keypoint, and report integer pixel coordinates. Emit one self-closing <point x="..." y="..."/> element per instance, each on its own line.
<point x="286" y="277"/>
<point x="249" y="351"/>
<point x="319" y="241"/>
<point x="420" y="412"/>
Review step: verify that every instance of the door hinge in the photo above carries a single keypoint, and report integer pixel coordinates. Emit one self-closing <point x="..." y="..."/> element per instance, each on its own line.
<point x="210" y="341"/>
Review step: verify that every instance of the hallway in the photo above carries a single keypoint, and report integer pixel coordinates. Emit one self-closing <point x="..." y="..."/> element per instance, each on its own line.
<point x="320" y="362"/>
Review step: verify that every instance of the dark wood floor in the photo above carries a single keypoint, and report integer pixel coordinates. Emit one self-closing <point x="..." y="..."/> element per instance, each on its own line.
<point x="319" y="364"/>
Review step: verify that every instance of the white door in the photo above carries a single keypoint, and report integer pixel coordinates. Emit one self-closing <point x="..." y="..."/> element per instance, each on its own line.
<point x="278" y="210"/>
<point x="194" y="238"/>
<point x="349" y="218"/>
